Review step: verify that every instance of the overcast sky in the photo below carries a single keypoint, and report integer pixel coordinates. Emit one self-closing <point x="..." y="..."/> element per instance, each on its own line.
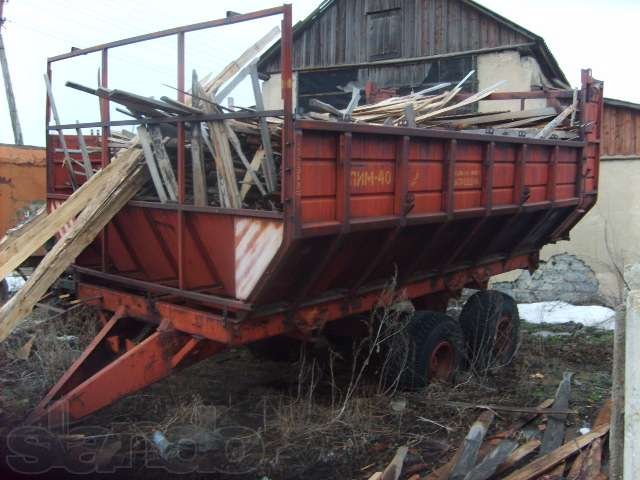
<point x="600" y="34"/>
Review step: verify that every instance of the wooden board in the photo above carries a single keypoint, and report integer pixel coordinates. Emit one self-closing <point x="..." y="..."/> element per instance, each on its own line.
<point x="23" y="242"/>
<point x="547" y="462"/>
<point x="114" y="193"/>
<point x="488" y="466"/>
<point x="471" y="445"/>
<point x="197" y="154"/>
<point x="554" y="433"/>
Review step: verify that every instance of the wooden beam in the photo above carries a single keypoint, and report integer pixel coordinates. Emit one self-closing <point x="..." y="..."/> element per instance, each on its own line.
<point x="543" y="464"/>
<point x="519" y="454"/>
<point x="551" y="126"/>
<point x="410" y="116"/>
<point x="394" y="469"/>
<point x="471" y="445"/>
<point x="84" y="151"/>
<point x="235" y="81"/>
<point x="268" y="165"/>
<point x="488" y="466"/>
<point x="145" y="141"/>
<point x="114" y="193"/>
<point x="212" y="86"/>
<point x="63" y="142"/>
<point x="235" y="143"/>
<point x="164" y="162"/>
<point x="258" y="157"/>
<point x="198" y="171"/>
<point x="22" y="242"/>
<point x="500" y="117"/>
<point x="554" y="433"/>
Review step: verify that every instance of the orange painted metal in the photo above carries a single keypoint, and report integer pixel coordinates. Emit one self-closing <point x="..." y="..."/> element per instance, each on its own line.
<point x="22" y="182"/>
<point x="440" y="210"/>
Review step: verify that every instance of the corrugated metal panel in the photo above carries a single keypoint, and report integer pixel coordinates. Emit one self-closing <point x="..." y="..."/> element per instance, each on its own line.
<point x="429" y="27"/>
<point x="620" y="131"/>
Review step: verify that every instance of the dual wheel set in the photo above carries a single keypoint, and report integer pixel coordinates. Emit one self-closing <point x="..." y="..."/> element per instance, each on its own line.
<point x="432" y="346"/>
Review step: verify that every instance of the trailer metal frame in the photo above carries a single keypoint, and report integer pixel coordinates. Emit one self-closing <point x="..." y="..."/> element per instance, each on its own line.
<point x="337" y="248"/>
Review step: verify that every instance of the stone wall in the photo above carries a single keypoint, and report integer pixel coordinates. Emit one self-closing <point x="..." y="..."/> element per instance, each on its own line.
<point x="562" y="277"/>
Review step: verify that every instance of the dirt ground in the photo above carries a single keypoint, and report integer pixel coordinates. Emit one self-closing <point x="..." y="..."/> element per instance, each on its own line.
<point x="234" y="416"/>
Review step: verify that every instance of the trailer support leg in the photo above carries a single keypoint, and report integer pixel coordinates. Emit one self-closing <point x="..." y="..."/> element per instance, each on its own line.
<point x="101" y="375"/>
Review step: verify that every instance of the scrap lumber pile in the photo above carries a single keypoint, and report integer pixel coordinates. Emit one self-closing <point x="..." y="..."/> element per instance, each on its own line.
<point x="89" y="209"/>
<point x="536" y="447"/>
<point x="452" y="109"/>
<point x="231" y="163"/>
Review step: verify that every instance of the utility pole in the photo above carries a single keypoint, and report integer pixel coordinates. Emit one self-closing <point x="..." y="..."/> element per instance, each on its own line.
<point x="11" y="101"/>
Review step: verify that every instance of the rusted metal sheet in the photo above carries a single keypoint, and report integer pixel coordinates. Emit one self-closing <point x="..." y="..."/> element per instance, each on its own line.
<point x="256" y="243"/>
<point x="22" y="182"/>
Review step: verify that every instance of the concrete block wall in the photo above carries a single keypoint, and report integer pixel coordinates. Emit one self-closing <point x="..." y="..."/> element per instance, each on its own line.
<point x="562" y="277"/>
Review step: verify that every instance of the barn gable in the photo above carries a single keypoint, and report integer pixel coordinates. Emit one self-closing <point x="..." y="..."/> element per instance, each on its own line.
<point x="364" y="32"/>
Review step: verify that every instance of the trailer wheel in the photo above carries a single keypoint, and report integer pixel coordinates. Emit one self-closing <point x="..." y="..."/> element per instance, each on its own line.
<point x="4" y="292"/>
<point x="491" y="326"/>
<point x="428" y="349"/>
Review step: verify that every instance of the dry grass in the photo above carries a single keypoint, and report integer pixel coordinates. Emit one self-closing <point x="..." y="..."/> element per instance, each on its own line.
<point x="318" y="418"/>
<point x="57" y="343"/>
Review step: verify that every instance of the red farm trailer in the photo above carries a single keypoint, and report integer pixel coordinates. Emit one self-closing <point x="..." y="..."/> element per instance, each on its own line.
<point x="440" y="209"/>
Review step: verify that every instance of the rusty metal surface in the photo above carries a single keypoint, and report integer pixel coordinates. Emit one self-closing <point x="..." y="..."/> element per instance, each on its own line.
<point x="116" y="364"/>
<point x="441" y="210"/>
<point x="22" y="182"/>
<point x="362" y="202"/>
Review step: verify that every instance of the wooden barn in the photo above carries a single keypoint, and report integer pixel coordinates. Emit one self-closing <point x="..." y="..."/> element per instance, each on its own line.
<point x="620" y="130"/>
<point x="408" y="44"/>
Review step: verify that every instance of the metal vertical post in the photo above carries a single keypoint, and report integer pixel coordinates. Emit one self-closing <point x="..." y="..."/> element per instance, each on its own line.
<point x="47" y="118"/>
<point x="181" y="162"/>
<point x="106" y="133"/>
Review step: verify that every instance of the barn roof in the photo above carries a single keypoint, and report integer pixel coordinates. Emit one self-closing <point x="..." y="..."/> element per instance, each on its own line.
<point x="538" y="46"/>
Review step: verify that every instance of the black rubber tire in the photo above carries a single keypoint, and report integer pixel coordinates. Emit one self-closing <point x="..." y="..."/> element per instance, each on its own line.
<point x="276" y="349"/>
<point x="410" y="351"/>
<point x="483" y="314"/>
<point x="4" y="292"/>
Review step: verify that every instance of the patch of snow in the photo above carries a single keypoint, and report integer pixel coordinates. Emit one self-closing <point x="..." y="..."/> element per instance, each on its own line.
<point x="547" y="334"/>
<point x="14" y="283"/>
<point x="562" y="312"/>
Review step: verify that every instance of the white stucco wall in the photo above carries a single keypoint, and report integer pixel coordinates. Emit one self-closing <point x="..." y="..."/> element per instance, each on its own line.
<point x="272" y="92"/>
<point x="607" y="238"/>
<point x="521" y="73"/>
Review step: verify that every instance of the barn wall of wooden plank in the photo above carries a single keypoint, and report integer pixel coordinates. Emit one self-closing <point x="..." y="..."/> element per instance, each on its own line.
<point x="354" y="32"/>
<point x="621" y="129"/>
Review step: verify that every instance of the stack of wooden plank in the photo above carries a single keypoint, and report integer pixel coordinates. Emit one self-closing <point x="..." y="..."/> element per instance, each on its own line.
<point x="529" y="449"/>
<point x="231" y="163"/>
<point x="450" y="109"/>
<point x="89" y="209"/>
<point x="145" y="164"/>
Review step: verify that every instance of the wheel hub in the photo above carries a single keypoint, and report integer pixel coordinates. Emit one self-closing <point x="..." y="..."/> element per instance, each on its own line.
<point x="442" y="361"/>
<point x="504" y="330"/>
